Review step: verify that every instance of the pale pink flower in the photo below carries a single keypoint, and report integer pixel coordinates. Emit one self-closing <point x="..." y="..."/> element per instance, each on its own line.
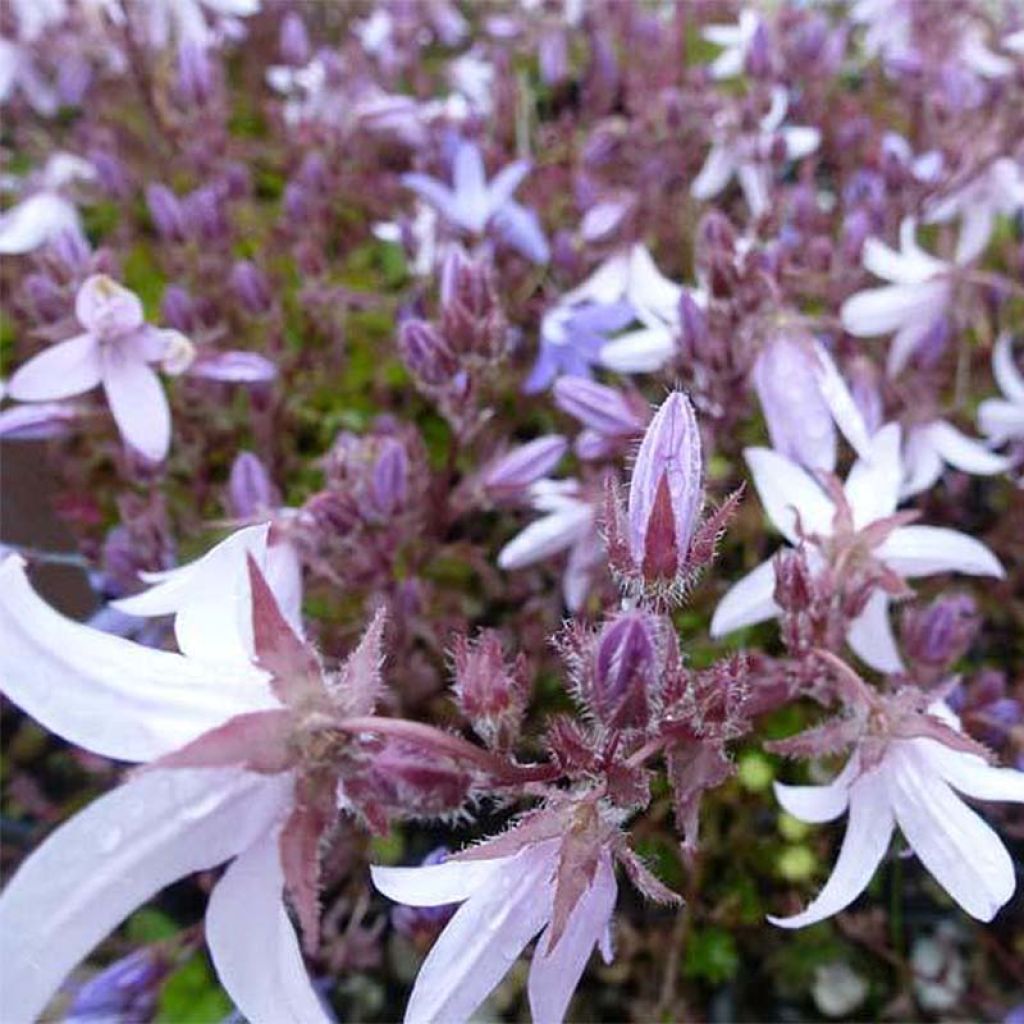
<point x="796" y="503"/>
<point x="115" y="350"/>
<point x="930" y="447"/>
<point x="914" y="784"/>
<point x="1002" y="419"/>
<point x="506" y="901"/>
<point x="747" y="156"/>
<point x="231" y="799"/>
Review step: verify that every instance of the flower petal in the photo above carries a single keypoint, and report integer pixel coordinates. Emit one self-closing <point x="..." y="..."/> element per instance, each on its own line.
<point x="547" y="536"/>
<point x="642" y="351"/>
<point x="840" y="401"/>
<point x="253" y="944"/>
<point x="873" y="485"/>
<point x="554" y="974"/>
<point x="35" y="221"/>
<point x="105" y="693"/>
<point x="113" y="856"/>
<point x="870" y="635"/>
<point x="867" y="838"/>
<point x="137" y="402"/>
<point x="963" y="452"/>
<point x="970" y="774"/>
<point x="788" y="491"/>
<point x="470" y="186"/>
<point x="718" y="169"/>
<point x="881" y="310"/>
<point x="747" y="601"/>
<point x="817" y="804"/>
<point x="1008" y="376"/>
<point x="925" y="550"/>
<point x="963" y="854"/>
<point x="432" y="191"/>
<point x="520" y="228"/>
<point x="505" y="182"/>
<point x="435" y="885"/>
<point x="484" y="939"/>
<point x="1000" y="421"/>
<point x="67" y="368"/>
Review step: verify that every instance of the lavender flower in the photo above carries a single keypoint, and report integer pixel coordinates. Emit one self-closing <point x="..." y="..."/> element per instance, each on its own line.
<point x="46" y="213"/>
<point x="736" y="41"/>
<point x="1002" y="419"/>
<point x="929" y="447"/>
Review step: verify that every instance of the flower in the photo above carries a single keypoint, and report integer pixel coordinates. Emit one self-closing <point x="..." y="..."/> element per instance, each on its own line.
<point x="474" y="205"/>
<point x="509" y="474"/>
<point x="913" y="783"/>
<point x="115" y="350"/>
<point x="912" y="306"/>
<point x="857" y="524"/>
<point x="569" y="524"/>
<point x="611" y="419"/>
<point x="46" y="213"/>
<point x="220" y="787"/>
<point x="931" y="445"/>
<point x="507" y="898"/>
<point x="736" y="39"/>
<point x="1002" y="419"/>
<point x="997" y="190"/>
<point x="747" y="154"/>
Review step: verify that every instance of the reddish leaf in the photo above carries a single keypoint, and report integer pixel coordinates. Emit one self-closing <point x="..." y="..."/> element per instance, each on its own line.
<point x="359" y="685"/>
<point x="646" y="882"/>
<point x="296" y="676"/>
<point x="692" y="769"/>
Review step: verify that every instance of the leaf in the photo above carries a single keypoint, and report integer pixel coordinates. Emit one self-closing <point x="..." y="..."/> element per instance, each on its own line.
<point x="711" y="954"/>
<point x="647" y="883"/>
<point x="359" y="685"/>
<point x="692" y="769"/>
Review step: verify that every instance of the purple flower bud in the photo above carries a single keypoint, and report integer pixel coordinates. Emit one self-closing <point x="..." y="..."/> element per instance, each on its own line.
<point x="110" y="173"/>
<point x="296" y="203"/>
<point x="666" y="491"/>
<point x="250" y="491"/>
<point x="250" y="285"/>
<point x="167" y="213"/>
<point x="490" y="692"/>
<point x="293" y="40"/>
<point x="426" y="353"/>
<point x="74" y="76"/>
<point x="234" y="368"/>
<point x="759" y="53"/>
<point x="205" y="215"/>
<point x="625" y="671"/>
<point x="553" y="56"/>
<point x="940" y="633"/>
<point x="390" y="479"/>
<point x="178" y="310"/>
<point x="694" y="326"/>
<point x="516" y="470"/>
<point x="313" y="173"/>
<point x="195" y="74"/>
<point x="930" y="348"/>
<point x="598" y="407"/>
<point x="46" y="296"/>
<point x="125" y="991"/>
<point x="73" y="253"/>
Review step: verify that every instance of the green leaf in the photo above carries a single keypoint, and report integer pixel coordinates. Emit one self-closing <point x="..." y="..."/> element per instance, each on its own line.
<point x="711" y="955"/>
<point x="191" y="995"/>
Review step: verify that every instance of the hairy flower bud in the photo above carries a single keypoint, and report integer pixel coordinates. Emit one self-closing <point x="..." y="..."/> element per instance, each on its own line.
<point x="472" y="320"/>
<point x="511" y="474"/>
<point x="695" y="337"/>
<point x="426" y="353"/>
<point x="250" y="491"/>
<point x="625" y="671"/>
<point x="490" y="692"/>
<point x="941" y="632"/>
<point x="389" y="482"/>
<point x="666" y="491"/>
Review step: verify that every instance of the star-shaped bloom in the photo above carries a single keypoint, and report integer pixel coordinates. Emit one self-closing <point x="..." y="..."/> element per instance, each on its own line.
<point x="997" y="191"/>
<point x="931" y="446"/>
<point x="1002" y="419"/>
<point x="914" y="784"/>
<point x="569" y="524"/>
<point x="45" y="213"/>
<point x="736" y="41"/>
<point x="475" y="205"/>
<point x="913" y="305"/>
<point x="747" y="155"/>
<point x="221" y="786"/>
<point x="510" y="890"/>
<point x="860" y="531"/>
<point x="115" y="350"/>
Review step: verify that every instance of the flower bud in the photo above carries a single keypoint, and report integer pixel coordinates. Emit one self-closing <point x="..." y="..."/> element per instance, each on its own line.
<point x="625" y="671"/>
<point x="45" y="295"/>
<point x="426" y="353"/>
<point x="471" y="317"/>
<point x="390" y="478"/>
<point x="489" y="691"/>
<point x="600" y="408"/>
<point x="195" y="74"/>
<point x="127" y="990"/>
<point x="251" y="287"/>
<point x="204" y="214"/>
<point x="250" y="491"/>
<point x="553" y="56"/>
<point x="167" y="213"/>
<point x="694" y="326"/>
<point x="940" y="633"/>
<point x="666" y="491"/>
<point x="294" y="40"/>
<point x="517" y="469"/>
<point x="178" y="310"/>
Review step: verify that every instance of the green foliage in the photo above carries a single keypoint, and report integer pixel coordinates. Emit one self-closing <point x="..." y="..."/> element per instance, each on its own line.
<point x="711" y="955"/>
<point x="191" y="995"/>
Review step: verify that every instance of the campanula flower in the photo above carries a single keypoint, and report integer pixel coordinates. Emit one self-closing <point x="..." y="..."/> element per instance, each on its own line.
<point x="1002" y="419"/>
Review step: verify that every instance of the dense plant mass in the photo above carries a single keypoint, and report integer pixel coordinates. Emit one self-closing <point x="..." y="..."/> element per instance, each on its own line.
<point x="537" y="464"/>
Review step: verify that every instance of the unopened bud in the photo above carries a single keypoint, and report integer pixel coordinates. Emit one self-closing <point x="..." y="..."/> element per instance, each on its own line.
<point x="471" y="316"/>
<point x="941" y="632"/>
<point x="127" y="990"/>
<point x="600" y="408"/>
<point x="625" y="671"/>
<point x="426" y="353"/>
<point x="195" y="74"/>
<point x="390" y="478"/>
<point x="250" y="285"/>
<point x="167" y="212"/>
<point x="294" y="40"/>
<point x="517" y="469"/>
<point x="694" y="326"/>
<point x="250" y="491"/>
<point x="178" y="310"/>
<point x="490" y="692"/>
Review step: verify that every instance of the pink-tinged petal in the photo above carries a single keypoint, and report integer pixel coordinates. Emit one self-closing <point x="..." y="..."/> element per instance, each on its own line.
<point x="873" y="486"/>
<point x="963" y="452"/>
<point x="881" y="310"/>
<point x="38" y="420"/>
<point x="112" y="857"/>
<point x="970" y="774"/>
<point x="926" y="550"/>
<point x="649" y="290"/>
<point x="107" y="308"/>
<point x="234" y="368"/>
<point x="867" y="838"/>
<point x="35" y="221"/>
<point x="748" y="601"/>
<point x="107" y="694"/>
<point x="547" y="536"/>
<point x="253" y="944"/>
<point x="1007" y="374"/>
<point x="840" y="401"/>
<point x="505" y="182"/>
<point x="283" y="570"/>
<point x="470" y="185"/>
<point x="607" y="284"/>
<point x="137" y="402"/>
<point x="586" y="559"/>
<point x="962" y="853"/>
<point x="975" y="230"/>
<point x="718" y="169"/>
<point x="484" y="939"/>
<point x="922" y="464"/>
<point x="787" y="492"/>
<point x="755" y="181"/>
<point x="67" y="368"/>
<point x="554" y="974"/>
<point x="433" y="192"/>
<point x="1000" y="421"/>
<point x="641" y="351"/>
<point x="436" y="885"/>
<point x="818" y="804"/>
<point x="871" y="638"/>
